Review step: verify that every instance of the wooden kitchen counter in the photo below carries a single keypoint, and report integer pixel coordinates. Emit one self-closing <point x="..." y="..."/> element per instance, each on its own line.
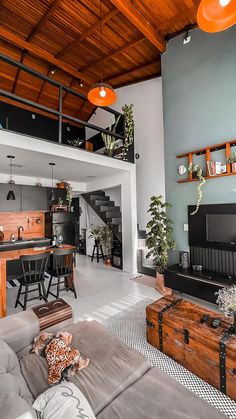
<point x="8" y="255"/>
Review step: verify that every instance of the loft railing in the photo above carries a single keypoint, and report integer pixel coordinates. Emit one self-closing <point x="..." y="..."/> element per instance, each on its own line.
<point x="57" y="113"/>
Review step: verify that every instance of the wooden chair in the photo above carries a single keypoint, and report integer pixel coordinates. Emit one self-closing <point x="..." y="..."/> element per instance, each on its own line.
<point x="62" y="271"/>
<point x="33" y="269"/>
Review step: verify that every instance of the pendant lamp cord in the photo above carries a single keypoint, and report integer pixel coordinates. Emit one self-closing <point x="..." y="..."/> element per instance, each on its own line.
<point x="10" y="169"/>
<point x="52" y="177"/>
<point x="101" y="41"/>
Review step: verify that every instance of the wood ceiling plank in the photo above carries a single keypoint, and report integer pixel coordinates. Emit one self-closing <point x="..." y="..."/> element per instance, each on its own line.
<point x="44" y="19"/>
<point x="41" y="53"/>
<point x="138" y="20"/>
<point x="86" y="33"/>
<point x="114" y="54"/>
<point x="142" y="68"/>
<point x="177" y="19"/>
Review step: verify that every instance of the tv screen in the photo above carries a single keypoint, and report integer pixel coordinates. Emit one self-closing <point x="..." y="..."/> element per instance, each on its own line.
<point x="221" y="228"/>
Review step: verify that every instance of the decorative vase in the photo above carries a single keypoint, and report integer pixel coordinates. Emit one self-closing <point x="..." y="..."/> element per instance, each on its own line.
<point x="184" y="260"/>
<point x="161" y="285"/>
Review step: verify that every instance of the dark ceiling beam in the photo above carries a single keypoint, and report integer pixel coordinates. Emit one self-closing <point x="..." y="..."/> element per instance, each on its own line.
<point x="88" y="32"/>
<point x="114" y="54"/>
<point x="42" y="85"/>
<point x="140" y="22"/>
<point x="13" y="90"/>
<point x="42" y="54"/>
<point x="134" y="70"/>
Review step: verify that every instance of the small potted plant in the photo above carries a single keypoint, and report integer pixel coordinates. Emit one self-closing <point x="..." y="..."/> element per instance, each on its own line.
<point x="69" y="195"/>
<point x="109" y="139"/>
<point x="60" y="201"/>
<point x="103" y="236"/>
<point x="159" y="239"/>
<point x="197" y="170"/>
<point x="227" y="302"/>
<point x="232" y="160"/>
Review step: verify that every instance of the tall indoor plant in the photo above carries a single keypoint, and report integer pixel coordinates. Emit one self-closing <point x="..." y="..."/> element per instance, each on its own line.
<point x="159" y="238"/>
<point x="128" y="128"/>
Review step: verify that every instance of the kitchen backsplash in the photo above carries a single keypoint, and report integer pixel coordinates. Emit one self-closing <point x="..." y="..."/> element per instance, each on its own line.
<point x="31" y="221"/>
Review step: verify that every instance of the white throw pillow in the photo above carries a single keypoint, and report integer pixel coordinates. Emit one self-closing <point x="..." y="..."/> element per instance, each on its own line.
<point x="63" y="401"/>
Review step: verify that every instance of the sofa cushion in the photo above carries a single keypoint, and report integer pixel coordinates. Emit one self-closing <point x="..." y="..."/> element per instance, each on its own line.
<point x="12" y="383"/>
<point x="113" y="365"/>
<point x="156" y="395"/>
<point x="14" y="407"/>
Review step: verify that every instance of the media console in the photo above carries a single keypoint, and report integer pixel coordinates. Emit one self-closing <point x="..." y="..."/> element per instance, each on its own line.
<point x="202" y="285"/>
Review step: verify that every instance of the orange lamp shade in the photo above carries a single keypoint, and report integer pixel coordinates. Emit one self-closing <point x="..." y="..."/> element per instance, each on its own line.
<point x="101" y="94"/>
<point x="216" y="15"/>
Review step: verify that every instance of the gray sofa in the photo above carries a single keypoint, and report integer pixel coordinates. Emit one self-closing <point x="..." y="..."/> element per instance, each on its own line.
<point x="118" y="383"/>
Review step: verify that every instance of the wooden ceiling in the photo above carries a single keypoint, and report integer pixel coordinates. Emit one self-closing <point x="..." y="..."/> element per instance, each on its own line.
<point x="64" y="36"/>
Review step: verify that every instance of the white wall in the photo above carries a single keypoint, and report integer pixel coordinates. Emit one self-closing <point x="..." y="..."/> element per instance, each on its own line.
<point x="114" y="194"/>
<point x="149" y="139"/>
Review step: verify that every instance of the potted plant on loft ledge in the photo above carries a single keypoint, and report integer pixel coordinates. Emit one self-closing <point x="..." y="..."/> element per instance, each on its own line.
<point x="159" y="239"/>
<point x="109" y="139"/>
<point x="128" y="128"/>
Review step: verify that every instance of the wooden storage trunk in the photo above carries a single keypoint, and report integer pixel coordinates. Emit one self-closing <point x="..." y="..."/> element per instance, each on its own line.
<point x="174" y="327"/>
<point x="52" y="313"/>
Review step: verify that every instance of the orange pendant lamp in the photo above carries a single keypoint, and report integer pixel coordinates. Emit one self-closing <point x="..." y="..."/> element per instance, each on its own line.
<point x="216" y="15"/>
<point x="101" y="94"/>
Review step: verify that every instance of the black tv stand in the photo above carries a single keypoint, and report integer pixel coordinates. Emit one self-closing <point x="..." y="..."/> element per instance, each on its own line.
<point x="202" y="285"/>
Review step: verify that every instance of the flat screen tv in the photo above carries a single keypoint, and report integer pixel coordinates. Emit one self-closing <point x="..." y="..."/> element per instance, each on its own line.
<point x="221" y="228"/>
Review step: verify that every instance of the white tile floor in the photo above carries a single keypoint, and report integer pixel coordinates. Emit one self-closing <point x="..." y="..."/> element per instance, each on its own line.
<point x="102" y="291"/>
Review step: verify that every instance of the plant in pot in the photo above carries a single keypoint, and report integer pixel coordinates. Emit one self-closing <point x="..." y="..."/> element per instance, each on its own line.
<point x="128" y="128"/>
<point x="106" y="241"/>
<point x="69" y="195"/>
<point x="227" y="302"/>
<point x="103" y="236"/>
<point x="159" y="239"/>
<point x="232" y="160"/>
<point x="60" y="201"/>
<point x="197" y="170"/>
<point x="109" y="139"/>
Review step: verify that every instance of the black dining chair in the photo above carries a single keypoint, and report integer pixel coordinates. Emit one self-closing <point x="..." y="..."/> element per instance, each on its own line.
<point x="62" y="272"/>
<point x="33" y="269"/>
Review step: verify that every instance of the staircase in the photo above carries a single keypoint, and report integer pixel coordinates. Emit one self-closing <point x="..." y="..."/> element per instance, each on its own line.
<point x="106" y="210"/>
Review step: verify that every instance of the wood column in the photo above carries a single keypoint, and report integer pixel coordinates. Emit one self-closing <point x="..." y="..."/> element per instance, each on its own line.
<point x="3" y="302"/>
<point x="227" y="154"/>
<point x="190" y="162"/>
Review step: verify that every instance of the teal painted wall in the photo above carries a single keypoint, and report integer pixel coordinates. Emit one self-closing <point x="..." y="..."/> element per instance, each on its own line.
<point x="199" y="95"/>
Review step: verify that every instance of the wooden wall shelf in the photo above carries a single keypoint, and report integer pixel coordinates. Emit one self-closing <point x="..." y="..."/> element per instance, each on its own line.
<point x="207" y="151"/>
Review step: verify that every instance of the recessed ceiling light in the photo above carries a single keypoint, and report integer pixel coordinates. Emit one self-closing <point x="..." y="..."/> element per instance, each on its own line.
<point x="53" y="71"/>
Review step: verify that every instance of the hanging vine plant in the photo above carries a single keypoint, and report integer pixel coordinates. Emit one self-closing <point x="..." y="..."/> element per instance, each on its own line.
<point x="128" y="128"/>
<point x="198" y="171"/>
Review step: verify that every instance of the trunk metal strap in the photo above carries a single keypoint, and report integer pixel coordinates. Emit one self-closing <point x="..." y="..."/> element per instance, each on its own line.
<point x="160" y="320"/>
<point x="226" y="336"/>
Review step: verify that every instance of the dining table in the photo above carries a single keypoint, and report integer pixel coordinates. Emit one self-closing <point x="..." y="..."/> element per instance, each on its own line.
<point x="8" y="255"/>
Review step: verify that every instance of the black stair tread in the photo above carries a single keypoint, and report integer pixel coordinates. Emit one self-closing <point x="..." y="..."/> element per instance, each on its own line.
<point x="99" y="203"/>
<point x="109" y="208"/>
<point x="93" y="197"/>
<point x="111" y="214"/>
